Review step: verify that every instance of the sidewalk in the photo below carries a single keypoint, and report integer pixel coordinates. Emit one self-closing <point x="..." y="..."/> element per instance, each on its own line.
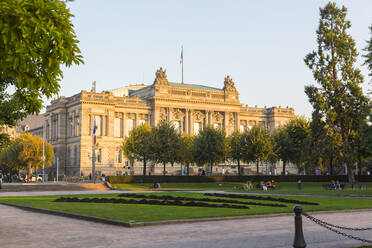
<point x="23" y="229"/>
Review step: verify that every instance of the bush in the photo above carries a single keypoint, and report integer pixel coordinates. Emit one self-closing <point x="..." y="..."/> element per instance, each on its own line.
<point x="204" y="179"/>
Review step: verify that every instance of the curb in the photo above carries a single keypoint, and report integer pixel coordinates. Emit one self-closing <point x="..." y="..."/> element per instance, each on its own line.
<point x="163" y="222"/>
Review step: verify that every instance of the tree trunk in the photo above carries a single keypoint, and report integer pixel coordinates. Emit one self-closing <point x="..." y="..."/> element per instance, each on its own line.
<point x="211" y="167"/>
<point x="188" y="169"/>
<point x="284" y="164"/>
<point x="164" y="169"/>
<point x="144" y="166"/>
<point x="239" y="167"/>
<point x="350" y="174"/>
<point x="359" y="166"/>
<point x="331" y="165"/>
<point x="29" y="170"/>
<point x="257" y="167"/>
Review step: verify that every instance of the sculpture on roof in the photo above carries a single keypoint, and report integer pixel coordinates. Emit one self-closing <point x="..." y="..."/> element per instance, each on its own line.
<point x="229" y="84"/>
<point x="161" y="77"/>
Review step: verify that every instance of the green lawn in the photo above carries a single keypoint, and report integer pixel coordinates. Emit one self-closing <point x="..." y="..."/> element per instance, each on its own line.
<point x="140" y="213"/>
<point x="285" y="188"/>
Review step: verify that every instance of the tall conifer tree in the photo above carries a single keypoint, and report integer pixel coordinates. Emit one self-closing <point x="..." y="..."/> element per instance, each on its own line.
<point x="339" y="99"/>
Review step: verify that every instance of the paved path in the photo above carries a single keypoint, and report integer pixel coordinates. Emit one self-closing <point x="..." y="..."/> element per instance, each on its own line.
<point x="23" y="229"/>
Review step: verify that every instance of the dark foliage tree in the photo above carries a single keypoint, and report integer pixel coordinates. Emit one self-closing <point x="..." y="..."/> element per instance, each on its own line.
<point x="339" y="99"/>
<point x="209" y="146"/>
<point x="139" y="144"/>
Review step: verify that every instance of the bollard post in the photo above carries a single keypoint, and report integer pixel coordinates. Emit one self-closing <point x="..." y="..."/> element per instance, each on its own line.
<point x="299" y="241"/>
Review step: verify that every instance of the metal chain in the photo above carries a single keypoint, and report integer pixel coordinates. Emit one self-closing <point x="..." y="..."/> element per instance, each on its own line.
<point x="336" y="226"/>
<point x="323" y="224"/>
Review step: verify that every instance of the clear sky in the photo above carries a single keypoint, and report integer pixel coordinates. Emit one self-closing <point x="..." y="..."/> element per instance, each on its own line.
<point x="261" y="44"/>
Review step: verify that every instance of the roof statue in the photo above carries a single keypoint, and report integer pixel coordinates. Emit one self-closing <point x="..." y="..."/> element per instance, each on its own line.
<point x="229" y="84"/>
<point x="161" y="77"/>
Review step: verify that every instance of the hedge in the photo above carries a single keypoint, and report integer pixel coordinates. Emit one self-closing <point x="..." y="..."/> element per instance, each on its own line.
<point x="203" y="179"/>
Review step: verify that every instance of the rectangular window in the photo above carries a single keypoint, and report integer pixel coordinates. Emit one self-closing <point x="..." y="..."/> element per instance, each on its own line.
<point x="71" y="122"/>
<point x="177" y="126"/>
<point x="117" y="127"/>
<point x="242" y="128"/>
<point x="118" y="156"/>
<point x="99" y="155"/>
<point x="140" y="122"/>
<point x="197" y="128"/>
<point x="77" y="126"/>
<point x="129" y="126"/>
<point x="98" y="121"/>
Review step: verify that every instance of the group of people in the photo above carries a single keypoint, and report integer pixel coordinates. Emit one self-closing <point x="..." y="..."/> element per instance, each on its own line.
<point x="270" y="184"/>
<point x="335" y="185"/>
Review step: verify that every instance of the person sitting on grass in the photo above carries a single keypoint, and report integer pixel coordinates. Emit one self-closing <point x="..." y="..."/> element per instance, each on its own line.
<point x="274" y="184"/>
<point x="332" y="185"/>
<point x="269" y="184"/>
<point x="338" y="185"/>
<point x="248" y="185"/>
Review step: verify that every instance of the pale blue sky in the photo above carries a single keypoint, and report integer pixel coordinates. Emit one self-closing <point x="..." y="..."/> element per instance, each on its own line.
<point x="260" y="44"/>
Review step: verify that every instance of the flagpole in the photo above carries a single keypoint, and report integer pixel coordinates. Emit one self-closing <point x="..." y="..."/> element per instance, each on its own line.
<point x="182" y="63"/>
<point x="94" y="153"/>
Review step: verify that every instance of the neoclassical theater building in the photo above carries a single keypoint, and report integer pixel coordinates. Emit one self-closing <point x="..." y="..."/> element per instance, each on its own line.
<point x="190" y="107"/>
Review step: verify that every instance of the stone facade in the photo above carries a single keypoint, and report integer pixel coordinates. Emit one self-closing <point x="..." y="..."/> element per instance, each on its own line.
<point x="69" y="120"/>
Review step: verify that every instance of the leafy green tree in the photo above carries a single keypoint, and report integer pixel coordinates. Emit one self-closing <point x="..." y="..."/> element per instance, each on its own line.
<point x="298" y="130"/>
<point x="257" y="146"/>
<point x="187" y="155"/>
<point x="363" y="146"/>
<point x="235" y="145"/>
<point x="26" y="151"/>
<point x="325" y="146"/>
<point x="166" y="144"/>
<point x="139" y="143"/>
<point x="368" y="55"/>
<point x="209" y="146"/>
<point x="36" y="39"/>
<point x="282" y="146"/>
<point x="339" y="100"/>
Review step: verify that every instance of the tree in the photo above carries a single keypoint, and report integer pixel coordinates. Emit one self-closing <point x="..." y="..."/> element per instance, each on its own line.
<point x="298" y="130"/>
<point x="209" y="146"/>
<point x="282" y="146"/>
<point x="139" y="143"/>
<point x="166" y="144"/>
<point x="257" y="146"/>
<point x="187" y="145"/>
<point x="325" y="146"/>
<point x="236" y="148"/>
<point x="339" y="100"/>
<point x="368" y="55"/>
<point x="36" y="38"/>
<point x="26" y="151"/>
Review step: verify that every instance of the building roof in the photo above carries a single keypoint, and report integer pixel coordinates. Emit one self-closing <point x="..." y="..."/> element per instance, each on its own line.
<point x="32" y="121"/>
<point x="194" y="86"/>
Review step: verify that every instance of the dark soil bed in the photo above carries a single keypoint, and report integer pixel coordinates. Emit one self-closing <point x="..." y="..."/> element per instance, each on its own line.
<point x="167" y="197"/>
<point x="149" y="202"/>
<point x="266" y="198"/>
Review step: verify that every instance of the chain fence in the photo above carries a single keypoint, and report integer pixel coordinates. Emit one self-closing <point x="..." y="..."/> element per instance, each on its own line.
<point x="334" y="228"/>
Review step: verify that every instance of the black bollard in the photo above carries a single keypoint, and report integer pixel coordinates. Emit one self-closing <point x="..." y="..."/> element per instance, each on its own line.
<point x="299" y="241"/>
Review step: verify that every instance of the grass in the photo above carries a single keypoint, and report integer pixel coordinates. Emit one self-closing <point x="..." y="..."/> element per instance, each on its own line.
<point x="285" y="188"/>
<point x="144" y="213"/>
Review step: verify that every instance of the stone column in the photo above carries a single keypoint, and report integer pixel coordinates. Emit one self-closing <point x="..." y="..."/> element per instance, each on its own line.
<point x="124" y="124"/>
<point x="191" y="123"/>
<point x="237" y="118"/>
<point x="187" y="121"/>
<point x="225" y="121"/>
